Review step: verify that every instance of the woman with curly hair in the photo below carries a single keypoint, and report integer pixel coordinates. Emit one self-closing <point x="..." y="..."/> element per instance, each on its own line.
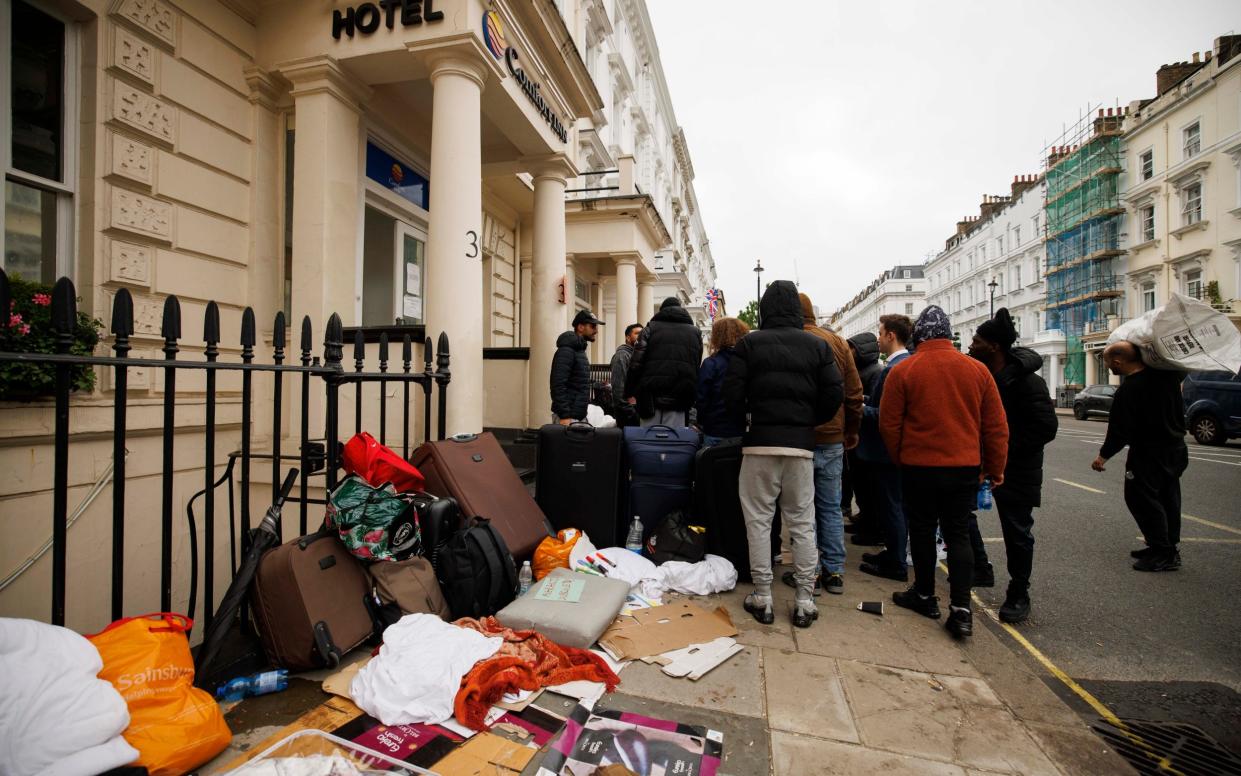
<point x="717" y="425"/>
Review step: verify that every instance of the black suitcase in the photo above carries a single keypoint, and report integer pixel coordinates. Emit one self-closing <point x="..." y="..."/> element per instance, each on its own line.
<point x="716" y="503"/>
<point x="580" y="480"/>
<point x="661" y="473"/>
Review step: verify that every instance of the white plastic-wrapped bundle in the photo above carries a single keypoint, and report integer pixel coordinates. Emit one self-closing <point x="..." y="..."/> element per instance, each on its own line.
<point x="1186" y="335"/>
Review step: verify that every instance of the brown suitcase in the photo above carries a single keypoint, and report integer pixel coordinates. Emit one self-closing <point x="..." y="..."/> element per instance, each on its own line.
<point x="473" y="469"/>
<point x="411" y="585"/>
<point x="309" y="601"/>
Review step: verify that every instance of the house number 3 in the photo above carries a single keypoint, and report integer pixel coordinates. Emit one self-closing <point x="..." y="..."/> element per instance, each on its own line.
<point x="471" y="238"/>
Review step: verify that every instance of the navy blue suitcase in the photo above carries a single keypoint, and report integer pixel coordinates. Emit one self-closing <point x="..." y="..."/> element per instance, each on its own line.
<point x="661" y="472"/>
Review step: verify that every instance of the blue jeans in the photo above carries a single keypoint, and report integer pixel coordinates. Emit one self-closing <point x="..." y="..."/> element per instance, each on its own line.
<point x="829" y="522"/>
<point x="712" y="441"/>
<point x="887" y="483"/>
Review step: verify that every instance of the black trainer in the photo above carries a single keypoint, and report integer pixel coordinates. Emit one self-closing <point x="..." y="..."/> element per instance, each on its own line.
<point x="835" y="583"/>
<point x="867" y="540"/>
<point x="803" y="618"/>
<point x="984" y="575"/>
<point x="909" y="599"/>
<point x="1160" y="560"/>
<point x="884" y="571"/>
<point x="765" y="615"/>
<point x="1142" y="553"/>
<point x="960" y="623"/>
<point x="1016" y="607"/>
<point x="876" y="557"/>
<point x="790" y="579"/>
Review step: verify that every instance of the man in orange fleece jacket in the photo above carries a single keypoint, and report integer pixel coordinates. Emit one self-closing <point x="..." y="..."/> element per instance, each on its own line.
<point x="943" y="422"/>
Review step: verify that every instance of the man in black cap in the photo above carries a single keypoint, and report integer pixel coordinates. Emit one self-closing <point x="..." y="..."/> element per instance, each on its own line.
<point x="571" y="369"/>
<point x="663" y="373"/>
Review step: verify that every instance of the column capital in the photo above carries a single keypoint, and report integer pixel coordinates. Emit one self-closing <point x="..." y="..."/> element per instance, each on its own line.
<point x="627" y="259"/>
<point x="323" y="74"/>
<point x="452" y="62"/>
<point x="267" y="88"/>
<point x="551" y="167"/>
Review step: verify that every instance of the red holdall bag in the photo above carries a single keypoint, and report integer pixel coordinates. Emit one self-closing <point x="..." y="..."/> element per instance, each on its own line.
<point x="378" y="465"/>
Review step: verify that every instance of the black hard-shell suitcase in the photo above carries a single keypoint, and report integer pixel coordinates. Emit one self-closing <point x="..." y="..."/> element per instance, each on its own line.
<point x="661" y="473"/>
<point x="580" y="480"/>
<point x="716" y="503"/>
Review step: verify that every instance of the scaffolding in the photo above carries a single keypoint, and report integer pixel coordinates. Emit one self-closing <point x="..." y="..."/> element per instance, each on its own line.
<point x="1083" y="218"/>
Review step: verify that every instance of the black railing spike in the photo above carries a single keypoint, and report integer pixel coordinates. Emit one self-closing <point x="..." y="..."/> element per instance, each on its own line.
<point x="64" y="307"/>
<point x="277" y="338"/>
<point x="441" y="360"/>
<point x="308" y="342"/>
<point x="383" y="352"/>
<point x="334" y="342"/>
<point x="170" y="327"/>
<point x="6" y="298"/>
<point x="359" y="350"/>
<point x="248" y="337"/>
<point x="211" y="324"/>
<point x="123" y="314"/>
<point x="428" y="353"/>
<point x="407" y="350"/>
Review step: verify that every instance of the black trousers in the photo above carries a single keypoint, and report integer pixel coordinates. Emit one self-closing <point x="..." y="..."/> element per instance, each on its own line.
<point x="1153" y="493"/>
<point x="1017" y="525"/>
<point x="943" y="496"/>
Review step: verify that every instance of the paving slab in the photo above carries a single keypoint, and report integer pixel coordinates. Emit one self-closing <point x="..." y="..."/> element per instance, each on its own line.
<point x="778" y="635"/>
<point x="805" y="694"/>
<point x="954" y="719"/>
<point x="853" y="635"/>
<point x="795" y="755"/>
<point x="735" y="687"/>
<point x="1079" y="751"/>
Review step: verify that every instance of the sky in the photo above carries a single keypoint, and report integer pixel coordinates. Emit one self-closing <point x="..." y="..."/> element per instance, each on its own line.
<point x="834" y="140"/>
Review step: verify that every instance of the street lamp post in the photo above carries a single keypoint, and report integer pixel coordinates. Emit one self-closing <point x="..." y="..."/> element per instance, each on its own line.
<point x="758" y="288"/>
<point x="993" y="286"/>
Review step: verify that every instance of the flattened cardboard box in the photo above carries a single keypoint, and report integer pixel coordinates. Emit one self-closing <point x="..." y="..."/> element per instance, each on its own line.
<point x="664" y="628"/>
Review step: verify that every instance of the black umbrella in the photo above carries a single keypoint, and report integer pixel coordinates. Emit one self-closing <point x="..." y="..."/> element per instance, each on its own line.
<point x="260" y="541"/>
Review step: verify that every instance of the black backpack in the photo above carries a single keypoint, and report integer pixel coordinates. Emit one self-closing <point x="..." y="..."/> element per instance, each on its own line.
<point x="476" y="570"/>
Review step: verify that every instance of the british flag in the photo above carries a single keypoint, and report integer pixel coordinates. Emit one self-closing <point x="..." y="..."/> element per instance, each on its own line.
<point x="712" y="297"/>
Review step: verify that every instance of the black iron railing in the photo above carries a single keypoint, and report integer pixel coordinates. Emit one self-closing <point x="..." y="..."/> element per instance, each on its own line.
<point x="326" y="374"/>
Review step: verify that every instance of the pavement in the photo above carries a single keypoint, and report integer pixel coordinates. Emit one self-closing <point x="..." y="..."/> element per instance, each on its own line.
<point x="1161" y="647"/>
<point x="855" y="693"/>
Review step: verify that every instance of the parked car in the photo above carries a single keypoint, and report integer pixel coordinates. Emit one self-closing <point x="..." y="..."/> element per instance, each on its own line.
<point x="1093" y="400"/>
<point x="1212" y="406"/>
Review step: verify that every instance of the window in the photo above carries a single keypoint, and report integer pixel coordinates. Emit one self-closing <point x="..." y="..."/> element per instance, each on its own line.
<point x="1192" y="137"/>
<point x="909" y="308"/>
<point x="905" y="274"/>
<point x="1017" y="276"/>
<point x="393" y="260"/>
<point x="1146" y="161"/>
<point x="1148" y="296"/>
<point x="1146" y="223"/>
<point x="909" y="287"/>
<point x="1191" y="204"/>
<point x="1016" y="236"/>
<point x="1038" y="269"/>
<point x="38" y="147"/>
<point x="1034" y="221"/>
<point x="999" y="246"/>
<point x="982" y="253"/>
<point x="1193" y="284"/>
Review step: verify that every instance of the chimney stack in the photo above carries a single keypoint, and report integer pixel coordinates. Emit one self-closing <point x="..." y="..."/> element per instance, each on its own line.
<point x="1169" y="76"/>
<point x="1023" y="183"/>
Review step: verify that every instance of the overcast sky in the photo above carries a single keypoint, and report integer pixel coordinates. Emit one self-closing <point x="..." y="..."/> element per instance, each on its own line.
<point x="851" y="136"/>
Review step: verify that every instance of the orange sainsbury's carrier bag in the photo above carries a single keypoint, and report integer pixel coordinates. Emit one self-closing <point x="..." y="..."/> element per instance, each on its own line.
<point x="175" y="726"/>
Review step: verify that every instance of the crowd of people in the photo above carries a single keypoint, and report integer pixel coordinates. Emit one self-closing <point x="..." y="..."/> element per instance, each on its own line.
<point x="899" y="421"/>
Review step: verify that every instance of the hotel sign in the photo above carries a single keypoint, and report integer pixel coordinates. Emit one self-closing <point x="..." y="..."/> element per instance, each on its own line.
<point x="493" y="37"/>
<point x="366" y="17"/>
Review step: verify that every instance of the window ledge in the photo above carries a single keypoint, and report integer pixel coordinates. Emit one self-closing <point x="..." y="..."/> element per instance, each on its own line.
<point x="1235" y="212"/>
<point x="1184" y="230"/>
<point x="1145" y="245"/>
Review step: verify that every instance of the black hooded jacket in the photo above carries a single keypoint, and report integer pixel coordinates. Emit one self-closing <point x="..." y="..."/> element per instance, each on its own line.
<point x="570" y="377"/>
<point x="784" y="377"/>
<point x="865" y="348"/>
<point x="663" y="373"/>
<point x="1032" y="424"/>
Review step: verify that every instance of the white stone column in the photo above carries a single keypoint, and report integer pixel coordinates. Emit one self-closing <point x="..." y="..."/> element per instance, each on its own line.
<point x="454" y="275"/>
<point x="646" y="302"/>
<point x="1053" y="374"/>
<point x="548" y="268"/>
<point x="603" y="351"/>
<point x="626" y="295"/>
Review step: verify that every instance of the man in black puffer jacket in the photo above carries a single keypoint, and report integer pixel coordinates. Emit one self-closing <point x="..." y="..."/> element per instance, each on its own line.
<point x="1032" y="424"/>
<point x="571" y="369"/>
<point x="866" y="528"/>
<point x="865" y="347"/>
<point x="787" y="380"/>
<point x="663" y="373"/>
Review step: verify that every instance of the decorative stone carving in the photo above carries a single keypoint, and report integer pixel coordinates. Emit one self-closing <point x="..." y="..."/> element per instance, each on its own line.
<point x="133" y="55"/>
<point x="148" y="315"/>
<point x="145" y="215"/>
<point x="129" y="263"/>
<point x="131" y="159"/>
<point x="153" y="16"/>
<point x="143" y="112"/>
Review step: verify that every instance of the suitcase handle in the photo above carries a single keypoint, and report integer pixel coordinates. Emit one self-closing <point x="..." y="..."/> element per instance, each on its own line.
<point x="662" y="431"/>
<point x="581" y="428"/>
<point x="463" y="437"/>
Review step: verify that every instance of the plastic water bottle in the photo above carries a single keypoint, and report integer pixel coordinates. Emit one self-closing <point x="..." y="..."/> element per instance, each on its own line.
<point x="249" y="686"/>
<point x="984" y="495"/>
<point x="526" y="578"/>
<point x="633" y="542"/>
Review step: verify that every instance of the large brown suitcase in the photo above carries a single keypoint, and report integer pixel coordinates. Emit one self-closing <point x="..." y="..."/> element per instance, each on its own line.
<point x="309" y="601"/>
<point x="473" y="469"/>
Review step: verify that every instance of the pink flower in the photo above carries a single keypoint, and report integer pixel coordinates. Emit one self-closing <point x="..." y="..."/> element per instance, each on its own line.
<point x="42" y="300"/>
<point x="15" y="319"/>
<point x="25" y="329"/>
<point x="374" y="537"/>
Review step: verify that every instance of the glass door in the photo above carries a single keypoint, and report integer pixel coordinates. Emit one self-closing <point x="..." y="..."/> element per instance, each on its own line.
<point x="410" y="244"/>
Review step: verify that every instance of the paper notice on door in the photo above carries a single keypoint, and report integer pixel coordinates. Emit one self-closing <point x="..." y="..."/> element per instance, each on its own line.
<point x="413" y="278"/>
<point x="412" y="308"/>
